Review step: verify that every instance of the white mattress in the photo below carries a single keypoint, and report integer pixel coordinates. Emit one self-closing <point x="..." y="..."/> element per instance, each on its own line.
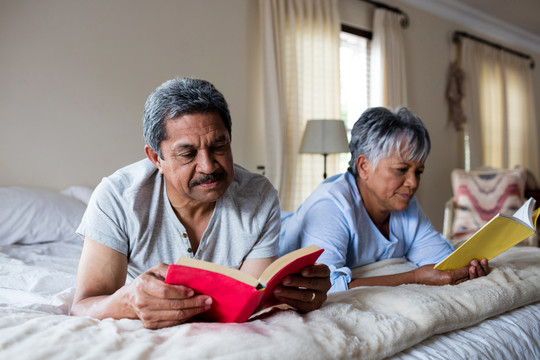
<point x="37" y="284"/>
<point x="512" y="335"/>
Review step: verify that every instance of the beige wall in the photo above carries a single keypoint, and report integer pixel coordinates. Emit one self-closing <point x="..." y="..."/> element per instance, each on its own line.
<point x="74" y="76"/>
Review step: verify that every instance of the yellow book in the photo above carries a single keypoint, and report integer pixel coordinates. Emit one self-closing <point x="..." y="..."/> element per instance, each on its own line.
<point x="498" y="235"/>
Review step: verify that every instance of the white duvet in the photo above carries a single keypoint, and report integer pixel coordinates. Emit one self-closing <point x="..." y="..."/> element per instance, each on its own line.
<point x="37" y="284"/>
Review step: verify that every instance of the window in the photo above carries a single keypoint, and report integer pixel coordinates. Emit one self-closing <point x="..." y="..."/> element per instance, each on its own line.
<point x="354" y="55"/>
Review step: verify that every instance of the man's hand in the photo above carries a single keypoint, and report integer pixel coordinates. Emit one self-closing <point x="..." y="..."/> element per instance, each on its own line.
<point x="161" y="305"/>
<point x="305" y="291"/>
<point x="101" y="292"/>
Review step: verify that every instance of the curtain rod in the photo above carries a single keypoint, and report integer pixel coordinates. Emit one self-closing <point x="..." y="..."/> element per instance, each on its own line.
<point x="404" y="22"/>
<point x="458" y="34"/>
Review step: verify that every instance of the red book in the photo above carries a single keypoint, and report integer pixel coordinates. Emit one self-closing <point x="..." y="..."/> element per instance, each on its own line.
<point x="236" y="295"/>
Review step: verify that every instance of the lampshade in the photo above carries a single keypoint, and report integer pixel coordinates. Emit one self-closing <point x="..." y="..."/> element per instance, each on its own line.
<point x="324" y="137"/>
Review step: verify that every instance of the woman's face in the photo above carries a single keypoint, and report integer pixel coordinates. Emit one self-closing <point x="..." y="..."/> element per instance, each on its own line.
<point x="391" y="185"/>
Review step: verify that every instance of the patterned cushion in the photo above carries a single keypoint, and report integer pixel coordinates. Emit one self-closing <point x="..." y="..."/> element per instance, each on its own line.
<point x="480" y="195"/>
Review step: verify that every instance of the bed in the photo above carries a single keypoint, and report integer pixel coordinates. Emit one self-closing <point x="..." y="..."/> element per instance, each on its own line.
<point x="495" y="317"/>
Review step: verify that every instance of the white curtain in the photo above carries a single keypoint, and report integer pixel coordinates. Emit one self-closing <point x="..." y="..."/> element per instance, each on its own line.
<point x="499" y="105"/>
<point x="301" y="81"/>
<point x="388" y="80"/>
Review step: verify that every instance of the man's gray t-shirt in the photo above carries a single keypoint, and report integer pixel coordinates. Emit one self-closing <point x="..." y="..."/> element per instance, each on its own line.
<point x="130" y="212"/>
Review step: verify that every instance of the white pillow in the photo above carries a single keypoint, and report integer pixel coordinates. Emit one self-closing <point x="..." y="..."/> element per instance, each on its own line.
<point x="29" y="216"/>
<point x="81" y="193"/>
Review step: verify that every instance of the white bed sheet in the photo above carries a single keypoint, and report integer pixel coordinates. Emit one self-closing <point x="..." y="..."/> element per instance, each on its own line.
<point x="512" y="335"/>
<point x="37" y="284"/>
<point x="41" y="277"/>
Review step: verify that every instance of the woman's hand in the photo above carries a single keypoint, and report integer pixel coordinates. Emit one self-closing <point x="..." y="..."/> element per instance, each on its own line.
<point x="429" y="276"/>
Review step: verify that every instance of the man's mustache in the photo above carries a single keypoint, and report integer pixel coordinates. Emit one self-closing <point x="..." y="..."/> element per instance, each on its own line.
<point x="207" y="178"/>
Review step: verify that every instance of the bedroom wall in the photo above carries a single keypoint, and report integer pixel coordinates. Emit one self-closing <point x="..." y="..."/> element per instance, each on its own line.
<point x="74" y="76"/>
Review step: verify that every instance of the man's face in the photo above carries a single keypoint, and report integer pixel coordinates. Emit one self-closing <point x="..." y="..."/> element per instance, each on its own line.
<point x="197" y="158"/>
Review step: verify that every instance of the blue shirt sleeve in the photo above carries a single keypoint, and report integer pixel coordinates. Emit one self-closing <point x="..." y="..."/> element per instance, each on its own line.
<point x="339" y="278"/>
<point x="325" y="226"/>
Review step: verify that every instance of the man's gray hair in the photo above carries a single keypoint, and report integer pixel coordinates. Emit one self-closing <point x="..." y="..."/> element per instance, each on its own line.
<point x="379" y="132"/>
<point x="178" y="97"/>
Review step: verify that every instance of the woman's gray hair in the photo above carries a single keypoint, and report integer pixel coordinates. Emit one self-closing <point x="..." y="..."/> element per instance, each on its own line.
<point x="178" y="97"/>
<point x="379" y="132"/>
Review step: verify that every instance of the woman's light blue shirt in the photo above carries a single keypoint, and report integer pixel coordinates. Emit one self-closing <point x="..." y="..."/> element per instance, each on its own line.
<point x="333" y="217"/>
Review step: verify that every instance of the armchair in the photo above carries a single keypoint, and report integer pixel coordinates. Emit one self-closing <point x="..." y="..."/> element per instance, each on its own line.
<point x="478" y="196"/>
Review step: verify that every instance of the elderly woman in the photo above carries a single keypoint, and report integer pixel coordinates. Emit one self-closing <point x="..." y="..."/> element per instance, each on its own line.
<point x="370" y="212"/>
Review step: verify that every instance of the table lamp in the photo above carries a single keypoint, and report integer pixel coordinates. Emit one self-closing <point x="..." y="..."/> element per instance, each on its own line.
<point x="324" y="137"/>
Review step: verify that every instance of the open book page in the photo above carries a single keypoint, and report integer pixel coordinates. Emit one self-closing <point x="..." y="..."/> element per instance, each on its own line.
<point x="290" y="263"/>
<point x="230" y="272"/>
<point x="524" y="214"/>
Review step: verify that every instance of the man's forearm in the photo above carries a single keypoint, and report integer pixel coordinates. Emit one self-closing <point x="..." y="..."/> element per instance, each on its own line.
<point x="113" y="306"/>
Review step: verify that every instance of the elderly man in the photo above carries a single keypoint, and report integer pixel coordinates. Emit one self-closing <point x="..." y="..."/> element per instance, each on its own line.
<point x="187" y="198"/>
